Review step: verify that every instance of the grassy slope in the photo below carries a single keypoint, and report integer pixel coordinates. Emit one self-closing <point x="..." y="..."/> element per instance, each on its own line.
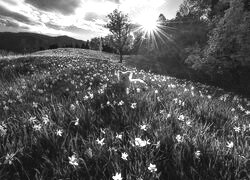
<point x="62" y="112"/>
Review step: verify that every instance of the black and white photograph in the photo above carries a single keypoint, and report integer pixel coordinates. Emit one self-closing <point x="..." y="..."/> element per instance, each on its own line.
<point x="124" y="90"/>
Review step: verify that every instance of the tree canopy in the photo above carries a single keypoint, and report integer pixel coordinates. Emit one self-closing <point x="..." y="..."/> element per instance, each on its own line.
<point x="120" y="27"/>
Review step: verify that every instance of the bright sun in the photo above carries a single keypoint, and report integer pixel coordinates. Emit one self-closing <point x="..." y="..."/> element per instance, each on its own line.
<point x="150" y="27"/>
<point x="148" y="22"/>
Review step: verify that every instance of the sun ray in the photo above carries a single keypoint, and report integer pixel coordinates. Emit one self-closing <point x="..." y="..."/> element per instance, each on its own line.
<point x="151" y="28"/>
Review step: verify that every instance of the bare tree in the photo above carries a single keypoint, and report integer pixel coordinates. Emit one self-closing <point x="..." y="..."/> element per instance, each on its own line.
<point x="120" y="28"/>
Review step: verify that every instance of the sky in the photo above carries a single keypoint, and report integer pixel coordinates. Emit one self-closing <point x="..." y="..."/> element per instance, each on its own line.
<point x="80" y="19"/>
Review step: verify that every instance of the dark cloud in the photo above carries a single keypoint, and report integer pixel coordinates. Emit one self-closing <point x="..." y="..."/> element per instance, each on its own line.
<point x="63" y="6"/>
<point x="5" y="14"/>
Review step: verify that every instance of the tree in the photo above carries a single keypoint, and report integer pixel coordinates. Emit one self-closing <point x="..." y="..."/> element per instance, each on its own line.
<point x="53" y="46"/>
<point x="87" y="44"/>
<point x="95" y="44"/>
<point x="120" y="28"/>
<point x="108" y="44"/>
<point x="230" y="38"/>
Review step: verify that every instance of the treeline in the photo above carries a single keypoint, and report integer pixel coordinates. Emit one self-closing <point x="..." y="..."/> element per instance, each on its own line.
<point x="207" y="41"/>
<point x="214" y="41"/>
<point x="25" y="42"/>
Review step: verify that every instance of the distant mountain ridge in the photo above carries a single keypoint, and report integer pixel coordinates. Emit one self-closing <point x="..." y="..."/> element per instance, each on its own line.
<point x="24" y="42"/>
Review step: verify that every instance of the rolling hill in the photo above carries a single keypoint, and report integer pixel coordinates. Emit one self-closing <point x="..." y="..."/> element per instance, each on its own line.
<point x="24" y="42"/>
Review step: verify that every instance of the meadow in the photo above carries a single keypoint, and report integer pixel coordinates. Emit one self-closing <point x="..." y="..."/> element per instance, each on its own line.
<point x="64" y="115"/>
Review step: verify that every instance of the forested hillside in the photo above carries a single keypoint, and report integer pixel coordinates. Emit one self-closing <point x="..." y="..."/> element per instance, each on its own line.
<point x="31" y="42"/>
<point x="207" y="41"/>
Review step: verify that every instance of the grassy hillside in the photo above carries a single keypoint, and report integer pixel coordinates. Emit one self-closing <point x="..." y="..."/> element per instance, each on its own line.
<point x="65" y="115"/>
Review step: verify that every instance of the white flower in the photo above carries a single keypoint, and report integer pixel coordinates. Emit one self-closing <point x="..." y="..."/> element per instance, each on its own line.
<point x="179" y="138"/>
<point x="91" y="95"/>
<point x="32" y="119"/>
<point x="138" y="90"/>
<point x="197" y="154"/>
<point x="124" y="156"/>
<point x="45" y="119"/>
<point x="141" y="143"/>
<point x="181" y="118"/>
<point x="72" y="107"/>
<point x="152" y="168"/>
<point x="5" y="108"/>
<point x="117" y="176"/>
<point x="127" y="91"/>
<point x="158" y="144"/>
<point x="144" y="127"/>
<point x="236" y="129"/>
<point x="3" y="129"/>
<point x="247" y="112"/>
<point x="235" y="118"/>
<point x="113" y="149"/>
<point x="121" y="103"/>
<point x="103" y="131"/>
<point x="35" y="105"/>
<point x="189" y="123"/>
<point x="59" y="132"/>
<point x="86" y="98"/>
<point x="100" y="142"/>
<point x="119" y="136"/>
<point x="156" y="91"/>
<point x="168" y="116"/>
<point x="73" y="160"/>
<point x="77" y="122"/>
<point x="230" y="144"/>
<point x="9" y="158"/>
<point x="37" y="127"/>
<point x="133" y="105"/>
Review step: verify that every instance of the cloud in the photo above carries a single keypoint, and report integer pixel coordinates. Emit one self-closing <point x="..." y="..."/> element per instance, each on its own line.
<point x="76" y="30"/>
<point x="8" y="23"/>
<point x="6" y="14"/>
<point x="112" y="1"/>
<point x="92" y="16"/>
<point x="115" y="1"/>
<point x="12" y="2"/>
<point x="65" y="7"/>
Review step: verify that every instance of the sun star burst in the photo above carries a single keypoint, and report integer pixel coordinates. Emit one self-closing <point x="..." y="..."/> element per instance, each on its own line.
<point x="151" y="28"/>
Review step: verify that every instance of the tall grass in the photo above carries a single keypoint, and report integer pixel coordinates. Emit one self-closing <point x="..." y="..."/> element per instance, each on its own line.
<point x="68" y="118"/>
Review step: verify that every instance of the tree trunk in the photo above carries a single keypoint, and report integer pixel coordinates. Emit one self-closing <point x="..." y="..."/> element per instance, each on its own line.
<point x="120" y="52"/>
